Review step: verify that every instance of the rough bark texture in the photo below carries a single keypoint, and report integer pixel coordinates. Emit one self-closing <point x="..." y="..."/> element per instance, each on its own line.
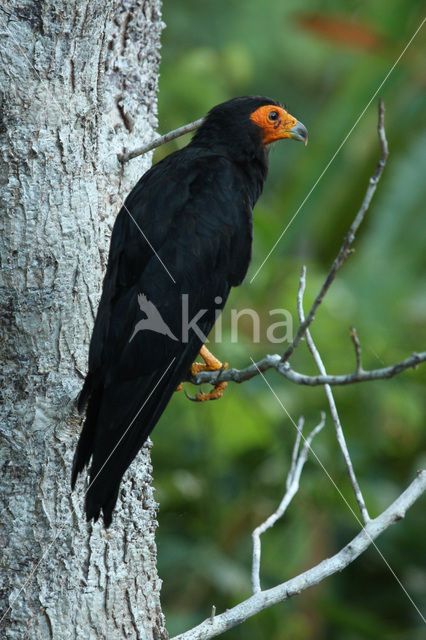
<point x="78" y="82"/>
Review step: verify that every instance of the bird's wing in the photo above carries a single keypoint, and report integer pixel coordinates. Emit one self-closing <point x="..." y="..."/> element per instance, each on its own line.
<point x="193" y="212"/>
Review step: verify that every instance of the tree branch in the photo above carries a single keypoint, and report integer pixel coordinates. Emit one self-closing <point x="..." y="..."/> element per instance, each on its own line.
<point x="345" y="249"/>
<point x="274" y="361"/>
<point x="211" y="628"/>
<point x="358" y="352"/>
<point x="333" y="409"/>
<point x="157" y="142"/>
<point x="298" y="460"/>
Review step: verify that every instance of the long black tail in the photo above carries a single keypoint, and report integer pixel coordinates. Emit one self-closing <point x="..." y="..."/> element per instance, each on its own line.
<point x="119" y="418"/>
<point x="90" y="398"/>
<point x="118" y="440"/>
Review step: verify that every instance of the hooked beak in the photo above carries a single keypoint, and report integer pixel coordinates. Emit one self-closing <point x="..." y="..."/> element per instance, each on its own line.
<point x="299" y="132"/>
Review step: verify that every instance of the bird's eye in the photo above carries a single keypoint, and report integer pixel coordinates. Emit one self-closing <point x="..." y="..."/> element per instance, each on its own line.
<point x="273" y="116"/>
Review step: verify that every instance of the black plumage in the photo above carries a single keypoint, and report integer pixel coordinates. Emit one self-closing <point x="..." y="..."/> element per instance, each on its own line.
<point x="194" y="208"/>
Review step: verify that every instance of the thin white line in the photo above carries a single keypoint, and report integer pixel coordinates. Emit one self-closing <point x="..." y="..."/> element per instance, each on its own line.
<point x="377" y="356"/>
<point x="160" y="260"/>
<point x="45" y="83"/>
<point x="341" y="145"/>
<point x="45" y="554"/>
<point x="341" y="495"/>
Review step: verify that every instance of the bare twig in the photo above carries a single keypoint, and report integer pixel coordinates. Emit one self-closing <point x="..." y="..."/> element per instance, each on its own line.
<point x="295" y="452"/>
<point x="345" y="249"/>
<point x="157" y="142"/>
<point x="357" y="346"/>
<point x="333" y="409"/>
<point x="260" y="601"/>
<point x="273" y="361"/>
<point x="298" y="460"/>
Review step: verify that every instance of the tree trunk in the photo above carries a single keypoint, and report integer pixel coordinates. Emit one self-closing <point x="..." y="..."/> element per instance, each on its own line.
<point x="78" y="82"/>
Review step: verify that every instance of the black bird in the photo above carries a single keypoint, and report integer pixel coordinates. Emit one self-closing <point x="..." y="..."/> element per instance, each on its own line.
<point x="181" y="240"/>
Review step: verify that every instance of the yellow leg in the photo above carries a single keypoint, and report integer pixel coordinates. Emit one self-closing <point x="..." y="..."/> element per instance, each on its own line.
<point x="211" y="363"/>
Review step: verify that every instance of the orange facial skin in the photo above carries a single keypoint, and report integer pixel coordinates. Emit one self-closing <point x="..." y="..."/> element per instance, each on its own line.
<point x="274" y="122"/>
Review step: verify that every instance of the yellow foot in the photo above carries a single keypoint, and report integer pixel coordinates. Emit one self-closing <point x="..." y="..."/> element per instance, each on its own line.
<point x="180" y="387"/>
<point x="211" y="364"/>
<point x="213" y="395"/>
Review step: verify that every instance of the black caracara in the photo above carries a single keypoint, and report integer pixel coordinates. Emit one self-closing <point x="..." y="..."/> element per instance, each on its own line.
<point x="183" y="237"/>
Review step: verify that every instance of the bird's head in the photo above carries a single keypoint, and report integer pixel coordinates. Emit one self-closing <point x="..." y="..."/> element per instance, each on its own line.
<point x="276" y="123"/>
<point x="249" y="122"/>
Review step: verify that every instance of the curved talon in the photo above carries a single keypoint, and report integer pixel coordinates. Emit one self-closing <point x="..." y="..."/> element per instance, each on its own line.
<point x="210" y="364"/>
<point x="222" y="369"/>
<point x="192" y="398"/>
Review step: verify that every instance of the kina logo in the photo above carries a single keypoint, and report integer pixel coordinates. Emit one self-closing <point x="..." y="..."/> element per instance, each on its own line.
<point x="153" y="321"/>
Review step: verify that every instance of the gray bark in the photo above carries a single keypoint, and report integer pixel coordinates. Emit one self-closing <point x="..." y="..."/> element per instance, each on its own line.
<point x="78" y="82"/>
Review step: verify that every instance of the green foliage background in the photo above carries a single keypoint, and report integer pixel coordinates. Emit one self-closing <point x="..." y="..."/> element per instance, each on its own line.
<point x="219" y="468"/>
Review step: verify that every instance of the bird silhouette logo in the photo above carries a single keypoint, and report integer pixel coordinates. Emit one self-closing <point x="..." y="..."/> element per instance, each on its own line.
<point x="153" y="320"/>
